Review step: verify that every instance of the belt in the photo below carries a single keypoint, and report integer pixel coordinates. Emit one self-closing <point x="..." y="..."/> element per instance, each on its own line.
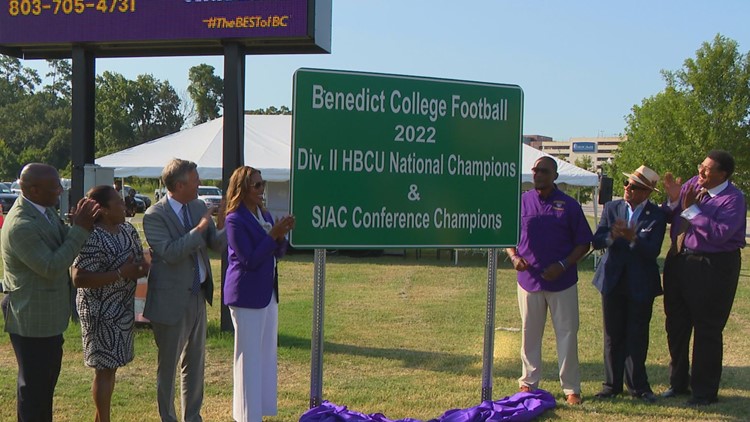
<point x="688" y="251"/>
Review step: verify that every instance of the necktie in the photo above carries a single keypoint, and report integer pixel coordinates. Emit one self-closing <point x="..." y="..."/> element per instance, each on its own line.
<point x="195" y="288"/>
<point x="51" y="216"/>
<point x="679" y="244"/>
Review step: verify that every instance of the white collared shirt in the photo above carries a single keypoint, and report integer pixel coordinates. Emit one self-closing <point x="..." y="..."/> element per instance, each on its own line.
<point x="41" y="209"/>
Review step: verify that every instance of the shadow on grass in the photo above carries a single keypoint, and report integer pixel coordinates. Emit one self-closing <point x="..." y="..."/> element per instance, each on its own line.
<point x="471" y="365"/>
<point x="415" y="359"/>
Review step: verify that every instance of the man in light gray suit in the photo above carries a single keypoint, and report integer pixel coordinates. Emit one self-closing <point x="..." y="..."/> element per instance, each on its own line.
<point x="37" y="250"/>
<point x="179" y="229"/>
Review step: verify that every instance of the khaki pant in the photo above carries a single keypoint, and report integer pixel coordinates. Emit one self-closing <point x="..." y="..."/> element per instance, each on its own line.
<point x="563" y="307"/>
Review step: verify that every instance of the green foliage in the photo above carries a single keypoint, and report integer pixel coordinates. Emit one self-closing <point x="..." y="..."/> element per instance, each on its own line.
<point x="705" y="105"/>
<point x="271" y="111"/>
<point x="129" y="113"/>
<point x="207" y="93"/>
<point x="35" y="121"/>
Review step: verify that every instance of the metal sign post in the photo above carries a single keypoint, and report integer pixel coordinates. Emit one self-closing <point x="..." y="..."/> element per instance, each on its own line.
<point x="316" y="346"/>
<point x="489" y="326"/>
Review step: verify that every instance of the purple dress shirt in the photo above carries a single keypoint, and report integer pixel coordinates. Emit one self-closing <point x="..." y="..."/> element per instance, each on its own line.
<point x="720" y="226"/>
<point x="550" y="229"/>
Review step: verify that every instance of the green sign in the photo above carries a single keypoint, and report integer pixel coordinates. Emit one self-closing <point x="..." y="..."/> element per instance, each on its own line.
<point x="390" y="161"/>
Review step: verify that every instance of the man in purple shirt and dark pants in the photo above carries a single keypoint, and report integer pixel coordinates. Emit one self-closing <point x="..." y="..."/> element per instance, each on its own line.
<point x="554" y="236"/>
<point x="701" y="274"/>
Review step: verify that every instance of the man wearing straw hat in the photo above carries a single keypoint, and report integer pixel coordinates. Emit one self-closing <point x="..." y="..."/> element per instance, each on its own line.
<point x="631" y="232"/>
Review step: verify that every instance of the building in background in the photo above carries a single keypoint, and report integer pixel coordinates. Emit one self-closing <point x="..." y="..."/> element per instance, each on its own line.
<point x="600" y="149"/>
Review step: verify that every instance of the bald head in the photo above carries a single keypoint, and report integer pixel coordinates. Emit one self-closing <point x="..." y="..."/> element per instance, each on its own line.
<point x="40" y="183"/>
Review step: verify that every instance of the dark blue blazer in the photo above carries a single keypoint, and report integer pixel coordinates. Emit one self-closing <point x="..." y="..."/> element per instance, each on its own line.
<point x="637" y="264"/>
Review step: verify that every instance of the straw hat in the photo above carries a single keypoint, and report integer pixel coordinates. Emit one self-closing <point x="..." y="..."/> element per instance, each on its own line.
<point x="644" y="176"/>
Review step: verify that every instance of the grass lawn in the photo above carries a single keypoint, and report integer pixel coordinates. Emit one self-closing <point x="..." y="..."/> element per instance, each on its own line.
<point x="403" y="337"/>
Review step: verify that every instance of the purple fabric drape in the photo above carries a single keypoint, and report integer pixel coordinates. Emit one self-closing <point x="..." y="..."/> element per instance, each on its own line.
<point x="516" y="408"/>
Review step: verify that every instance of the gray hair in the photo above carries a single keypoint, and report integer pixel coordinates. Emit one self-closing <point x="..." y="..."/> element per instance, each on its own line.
<point x="175" y="171"/>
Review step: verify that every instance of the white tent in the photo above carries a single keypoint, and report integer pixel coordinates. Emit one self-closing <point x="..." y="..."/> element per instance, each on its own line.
<point x="268" y="148"/>
<point x="568" y="174"/>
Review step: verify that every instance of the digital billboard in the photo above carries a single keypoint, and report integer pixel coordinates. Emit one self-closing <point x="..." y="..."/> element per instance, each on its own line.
<point x="49" y="28"/>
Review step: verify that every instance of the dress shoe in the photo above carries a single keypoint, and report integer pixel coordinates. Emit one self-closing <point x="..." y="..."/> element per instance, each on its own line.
<point x="674" y="392"/>
<point x="606" y="394"/>
<point x="573" y="399"/>
<point x="525" y="389"/>
<point x="646" y="396"/>
<point x="697" y="401"/>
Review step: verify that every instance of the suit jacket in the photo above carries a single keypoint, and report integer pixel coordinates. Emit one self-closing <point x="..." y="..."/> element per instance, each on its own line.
<point x="251" y="273"/>
<point x="37" y="256"/>
<point x="637" y="264"/>
<point x="171" y="278"/>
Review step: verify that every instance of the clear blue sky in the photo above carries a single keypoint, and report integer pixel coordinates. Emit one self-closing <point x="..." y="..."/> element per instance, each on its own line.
<point x="582" y="64"/>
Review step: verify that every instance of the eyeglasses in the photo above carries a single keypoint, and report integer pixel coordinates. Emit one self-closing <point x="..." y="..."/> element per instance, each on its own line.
<point x="258" y="185"/>
<point x="707" y="169"/>
<point x="541" y="170"/>
<point x="630" y="186"/>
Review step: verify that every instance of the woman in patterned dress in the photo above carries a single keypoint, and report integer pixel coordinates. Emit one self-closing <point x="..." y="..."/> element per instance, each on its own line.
<point x="105" y="273"/>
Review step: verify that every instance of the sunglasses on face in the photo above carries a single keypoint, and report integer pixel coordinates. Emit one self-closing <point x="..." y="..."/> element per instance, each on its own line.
<point x="258" y="185"/>
<point x="541" y="170"/>
<point x="630" y="186"/>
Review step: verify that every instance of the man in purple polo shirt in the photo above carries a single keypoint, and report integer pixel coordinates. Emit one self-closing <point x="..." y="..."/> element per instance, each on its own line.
<point x="701" y="274"/>
<point x="554" y="236"/>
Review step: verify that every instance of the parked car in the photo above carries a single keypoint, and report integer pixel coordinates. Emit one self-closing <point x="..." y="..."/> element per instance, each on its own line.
<point x="210" y="195"/>
<point x="146" y="200"/>
<point x="7" y="198"/>
<point x="15" y="187"/>
<point x="159" y="193"/>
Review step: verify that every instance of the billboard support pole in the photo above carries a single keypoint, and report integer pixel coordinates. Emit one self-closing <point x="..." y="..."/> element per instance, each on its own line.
<point x="82" y="119"/>
<point x="234" y="139"/>
<point x="489" y="326"/>
<point x="316" y="346"/>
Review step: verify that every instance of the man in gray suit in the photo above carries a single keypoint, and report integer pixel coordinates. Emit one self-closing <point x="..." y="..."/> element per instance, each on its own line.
<point x="179" y="229"/>
<point x="37" y="250"/>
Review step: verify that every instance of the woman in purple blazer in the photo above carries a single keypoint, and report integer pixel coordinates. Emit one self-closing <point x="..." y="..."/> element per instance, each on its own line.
<point x="251" y="290"/>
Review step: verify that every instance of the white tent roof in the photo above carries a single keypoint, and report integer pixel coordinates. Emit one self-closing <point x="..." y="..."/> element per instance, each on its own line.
<point x="567" y="173"/>
<point x="268" y="142"/>
<point x="267" y="148"/>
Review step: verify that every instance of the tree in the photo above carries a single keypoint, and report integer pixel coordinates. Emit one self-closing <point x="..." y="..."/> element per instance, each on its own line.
<point x="705" y="105"/>
<point x="207" y="92"/>
<point x="34" y="125"/>
<point x="283" y="110"/>
<point x="129" y="113"/>
<point x="16" y="81"/>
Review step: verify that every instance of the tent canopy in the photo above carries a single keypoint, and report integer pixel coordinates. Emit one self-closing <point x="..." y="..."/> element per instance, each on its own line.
<point x="267" y="148"/>
<point x="568" y="174"/>
<point x="268" y="142"/>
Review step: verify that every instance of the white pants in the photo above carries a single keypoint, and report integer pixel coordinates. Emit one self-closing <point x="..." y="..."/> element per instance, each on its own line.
<point x="255" y="362"/>
<point x="563" y="307"/>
